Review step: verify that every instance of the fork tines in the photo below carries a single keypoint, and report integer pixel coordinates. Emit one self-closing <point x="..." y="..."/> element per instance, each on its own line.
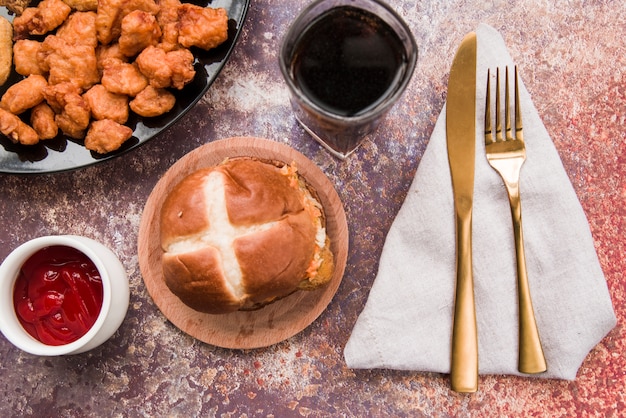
<point x="489" y="137"/>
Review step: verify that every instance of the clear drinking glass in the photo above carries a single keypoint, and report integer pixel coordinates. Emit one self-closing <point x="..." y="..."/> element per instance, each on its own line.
<point x="346" y="63"/>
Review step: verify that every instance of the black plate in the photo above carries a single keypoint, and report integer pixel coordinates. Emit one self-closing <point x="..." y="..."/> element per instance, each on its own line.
<point x="63" y="153"/>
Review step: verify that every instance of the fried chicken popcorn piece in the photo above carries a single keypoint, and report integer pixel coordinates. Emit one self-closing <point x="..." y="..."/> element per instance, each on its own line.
<point x="107" y="105"/>
<point x="24" y="94"/>
<point x="55" y="95"/>
<point x="25" y="57"/>
<point x="152" y="63"/>
<point x="152" y="102"/>
<point x="181" y="63"/>
<point x="72" y="112"/>
<point x="75" y="116"/>
<point x="16" y="130"/>
<point x="168" y="20"/>
<point x="169" y="37"/>
<point x="166" y="69"/>
<point x="106" y="52"/>
<point x="105" y="136"/>
<point x="79" y="28"/>
<point x="202" y="27"/>
<point x="122" y="77"/>
<point x="168" y="11"/>
<point x="107" y="19"/>
<point x="42" y="121"/>
<point x="139" y="30"/>
<point x="6" y="45"/>
<point x="111" y="13"/>
<point x="47" y="16"/>
<point x="69" y="62"/>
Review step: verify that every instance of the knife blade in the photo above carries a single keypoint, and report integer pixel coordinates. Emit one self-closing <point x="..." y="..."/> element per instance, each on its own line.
<point x="461" y="142"/>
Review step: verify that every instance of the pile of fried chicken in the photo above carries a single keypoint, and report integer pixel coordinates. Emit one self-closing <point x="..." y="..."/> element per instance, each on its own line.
<point x="88" y="63"/>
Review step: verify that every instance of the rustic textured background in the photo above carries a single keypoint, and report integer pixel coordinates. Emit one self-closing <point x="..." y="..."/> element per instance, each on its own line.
<point x="572" y="56"/>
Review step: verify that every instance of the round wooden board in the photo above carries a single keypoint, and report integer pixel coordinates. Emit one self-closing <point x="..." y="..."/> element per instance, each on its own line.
<point x="275" y="322"/>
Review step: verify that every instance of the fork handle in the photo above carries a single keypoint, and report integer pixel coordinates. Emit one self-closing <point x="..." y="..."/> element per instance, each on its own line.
<point x="531" y="358"/>
<point x="464" y="361"/>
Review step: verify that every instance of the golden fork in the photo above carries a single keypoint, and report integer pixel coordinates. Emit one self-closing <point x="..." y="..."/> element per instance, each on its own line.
<point x="506" y="155"/>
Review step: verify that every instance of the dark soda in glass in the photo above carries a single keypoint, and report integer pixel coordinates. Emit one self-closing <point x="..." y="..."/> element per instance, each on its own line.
<point x="346" y="66"/>
<point x="348" y="60"/>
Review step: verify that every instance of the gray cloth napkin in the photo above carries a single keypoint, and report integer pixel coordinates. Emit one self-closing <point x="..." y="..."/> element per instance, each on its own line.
<point x="407" y="321"/>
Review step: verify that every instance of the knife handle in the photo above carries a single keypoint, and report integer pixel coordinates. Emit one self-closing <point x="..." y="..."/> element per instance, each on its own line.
<point x="464" y="363"/>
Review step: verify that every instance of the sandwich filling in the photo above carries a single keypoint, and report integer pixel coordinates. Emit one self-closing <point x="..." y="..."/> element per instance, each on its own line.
<point x="314" y="209"/>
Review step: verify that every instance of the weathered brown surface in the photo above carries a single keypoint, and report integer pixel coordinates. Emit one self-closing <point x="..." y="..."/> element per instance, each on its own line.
<point x="572" y="58"/>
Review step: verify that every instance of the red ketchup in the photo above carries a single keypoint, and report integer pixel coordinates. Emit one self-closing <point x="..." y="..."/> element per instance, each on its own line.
<point x="58" y="295"/>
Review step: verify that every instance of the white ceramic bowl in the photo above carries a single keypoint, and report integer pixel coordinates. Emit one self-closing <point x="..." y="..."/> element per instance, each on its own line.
<point x="116" y="295"/>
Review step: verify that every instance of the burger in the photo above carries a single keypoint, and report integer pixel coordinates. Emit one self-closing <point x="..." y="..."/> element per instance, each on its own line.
<point x="243" y="234"/>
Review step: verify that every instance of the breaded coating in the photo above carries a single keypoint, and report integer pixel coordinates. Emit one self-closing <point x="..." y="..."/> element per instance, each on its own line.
<point x="79" y="28"/>
<point x="139" y="30"/>
<point x="108" y="20"/>
<point x="26" y="57"/>
<point x="122" y="78"/>
<point x="166" y="69"/>
<point x="107" y="105"/>
<point x="105" y="52"/>
<point x="152" y="64"/>
<point x="6" y="53"/>
<point x="152" y="102"/>
<point x="168" y="11"/>
<point x="16" y="6"/>
<point x="16" y="130"/>
<point x="106" y="135"/>
<point x="74" y="118"/>
<point x="69" y="62"/>
<point x="168" y="20"/>
<point x="111" y="13"/>
<point x="42" y="121"/>
<point x="169" y="37"/>
<point x="47" y="16"/>
<point x="55" y="94"/>
<point x="24" y="94"/>
<point x="202" y="27"/>
<point x="181" y="63"/>
<point x="82" y="5"/>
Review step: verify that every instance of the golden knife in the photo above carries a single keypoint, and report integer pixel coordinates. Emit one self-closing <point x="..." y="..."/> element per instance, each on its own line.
<point x="461" y="140"/>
